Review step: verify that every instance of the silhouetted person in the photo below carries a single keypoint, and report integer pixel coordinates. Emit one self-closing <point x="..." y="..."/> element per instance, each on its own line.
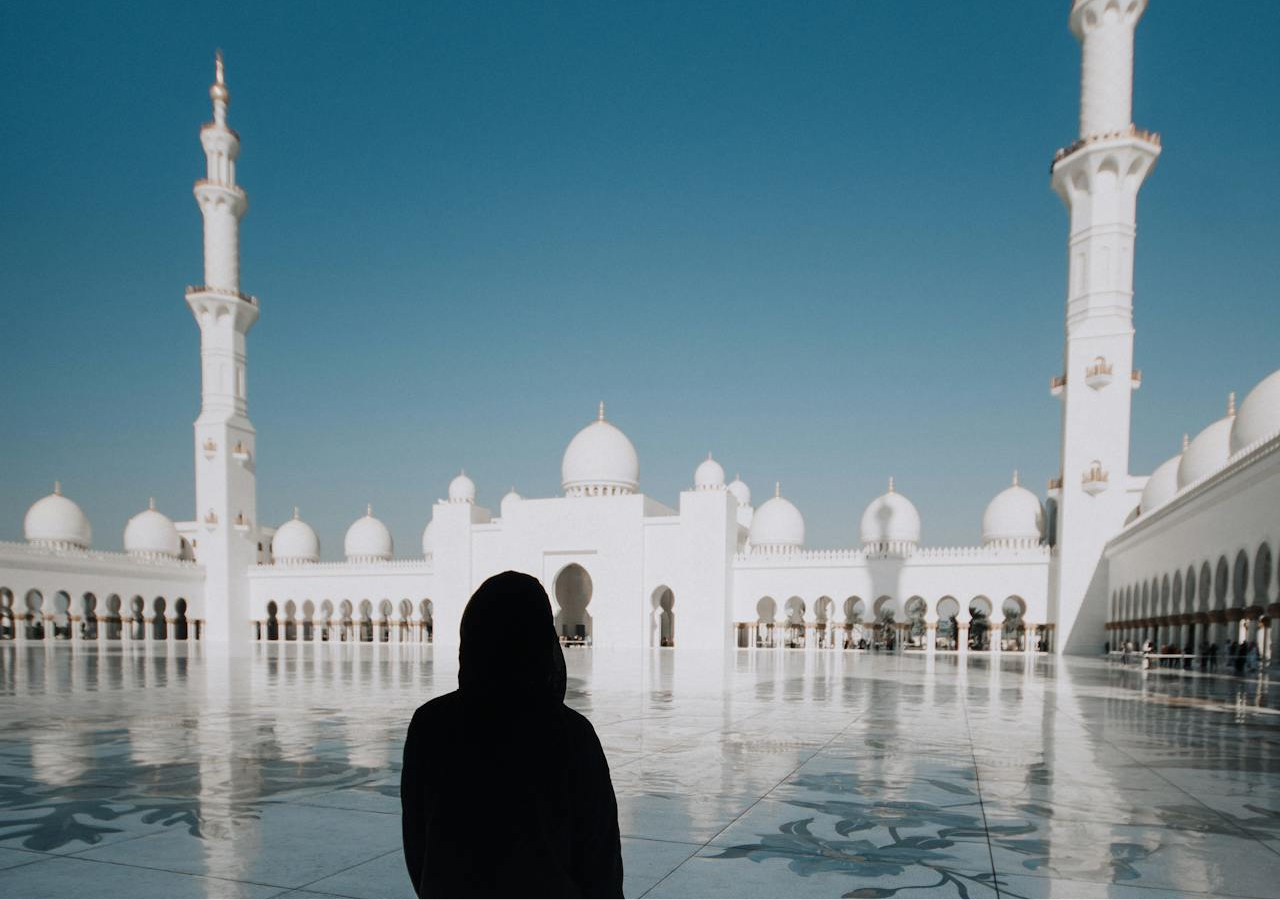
<point x="505" y="790"/>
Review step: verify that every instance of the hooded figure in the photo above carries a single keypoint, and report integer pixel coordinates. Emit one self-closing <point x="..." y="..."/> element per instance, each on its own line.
<point x="505" y="791"/>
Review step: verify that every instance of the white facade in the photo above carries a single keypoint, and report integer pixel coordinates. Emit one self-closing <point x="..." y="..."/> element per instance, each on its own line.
<point x="712" y="571"/>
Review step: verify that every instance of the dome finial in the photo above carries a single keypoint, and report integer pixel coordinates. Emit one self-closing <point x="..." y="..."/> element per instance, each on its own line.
<point x="368" y="509"/>
<point x="57" y="488"/>
<point x="890" y="484"/>
<point x="600" y="416"/>
<point x="1016" y="483"/>
<point x="218" y="92"/>
<point x="1186" y="441"/>
<point x="218" y="77"/>
<point x="777" y="489"/>
<point x="1231" y="403"/>
<point x="151" y="503"/>
<point x="295" y="513"/>
<point x="708" y="454"/>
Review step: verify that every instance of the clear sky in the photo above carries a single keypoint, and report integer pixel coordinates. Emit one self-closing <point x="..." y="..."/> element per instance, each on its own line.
<point x="817" y="239"/>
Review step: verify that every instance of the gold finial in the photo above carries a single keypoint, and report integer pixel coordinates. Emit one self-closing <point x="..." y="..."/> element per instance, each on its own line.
<point x="708" y="455"/>
<point x="151" y="503"/>
<point x="1015" y="478"/>
<point x="1231" y="403"/>
<point x="368" y="509"/>
<point x="890" y="484"/>
<point x="777" y="489"/>
<point x="217" y="68"/>
<point x="218" y="92"/>
<point x="1186" y="441"/>
<point x="295" y="513"/>
<point x="600" y="418"/>
<point x="57" y="488"/>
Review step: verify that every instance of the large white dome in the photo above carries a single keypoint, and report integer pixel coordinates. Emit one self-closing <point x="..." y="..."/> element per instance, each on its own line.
<point x="889" y="521"/>
<point x="1259" y="415"/>
<point x="739" y="489"/>
<point x="151" y="534"/>
<point x="295" y="542"/>
<point x="429" y="538"/>
<point x="600" y="460"/>
<point x="57" y="521"/>
<point x="1014" y="517"/>
<point x="1161" y="486"/>
<point x="368" y="540"/>
<point x="1209" y="451"/>
<point x="709" y="475"/>
<point x="462" y="489"/>
<point x="777" y="525"/>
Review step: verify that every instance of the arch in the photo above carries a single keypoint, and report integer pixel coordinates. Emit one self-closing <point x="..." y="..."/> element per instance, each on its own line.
<point x="885" y="606"/>
<point x="793" y="611"/>
<point x="766" y="615"/>
<point x="1262" y="576"/>
<point x="115" y="618"/>
<point x="181" y="625"/>
<point x="1144" y="603"/>
<point x="88" y="616"/>
<point x="35" y="614"/>
<point x="1013" y="628"/>
<point x="365" y="634"/>
<point x="573" y="589"/>
<point x="385" y="612"/>
<point x="948" y="613"/>
<point x="137" y="612"/>
<point x="273" y="622"/>
<point x="1206" y="586"/>
<point x="159" y="627"/>
<point x="326" y="620"/>
<point x="662" y="618"/>
<point x="426" y="611"/>
<point x="1166" y="595"/>
<point x="980" y="610"/>
<point x="1189" y="588"/>
<point x="1221" y="579"/>
<point x="1240" y="580"/>
<point x="855" y="610"/>
<point x="1176" y="594"/>
<point x="346" y="621"/>
<point x="915" y="611"/>
<point x="290" y="630"/>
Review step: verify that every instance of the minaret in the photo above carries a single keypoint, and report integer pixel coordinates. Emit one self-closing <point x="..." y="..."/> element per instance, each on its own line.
<point x="1097" y="177"/>
<point x="227" y="537"/>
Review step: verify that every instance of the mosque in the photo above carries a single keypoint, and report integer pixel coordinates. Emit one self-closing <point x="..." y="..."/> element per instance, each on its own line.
<point x="1183" y="557"/>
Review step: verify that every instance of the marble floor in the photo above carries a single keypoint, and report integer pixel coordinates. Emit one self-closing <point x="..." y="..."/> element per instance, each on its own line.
<point x="758" y="773"/>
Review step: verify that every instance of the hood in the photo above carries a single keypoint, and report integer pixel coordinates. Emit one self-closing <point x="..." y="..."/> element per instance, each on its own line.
<point x="509" y="653"/>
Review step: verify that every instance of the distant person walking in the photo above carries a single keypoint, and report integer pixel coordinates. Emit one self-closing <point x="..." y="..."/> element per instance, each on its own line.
<point x="505" y="791"/>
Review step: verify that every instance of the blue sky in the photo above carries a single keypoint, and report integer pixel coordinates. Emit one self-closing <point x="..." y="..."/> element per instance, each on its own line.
<point x="817" y="239"/>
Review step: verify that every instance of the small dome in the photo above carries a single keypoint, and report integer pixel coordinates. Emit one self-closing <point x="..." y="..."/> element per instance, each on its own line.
<point x="600" y="460"/>
<point x="739" y="489"/>
<point x="368" y="540"/>
<point x="56" y="521"/>
<point x="1259" y="414"/>
<point x="295" y="542"/>
<point x="429" y="538"/>
<point x="708" y="476"/>
<point x="890" y="519"/>
<point x="151" y="534"/>
<point x="1210" y="449"/>
<point x="462" y="489"/>
<point x="508" y="498"/>
<point x="1013" y="517"/>
<point x="777" y="525"/>
<point x="1161" y="486"/>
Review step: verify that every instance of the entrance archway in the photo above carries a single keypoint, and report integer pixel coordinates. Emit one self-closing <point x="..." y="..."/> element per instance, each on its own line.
<point x="573" y="593"/>
<point x="662" y="619"/>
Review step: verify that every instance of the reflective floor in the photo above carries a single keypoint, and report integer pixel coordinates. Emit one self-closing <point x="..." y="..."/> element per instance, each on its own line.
<point x="762" y="773"/>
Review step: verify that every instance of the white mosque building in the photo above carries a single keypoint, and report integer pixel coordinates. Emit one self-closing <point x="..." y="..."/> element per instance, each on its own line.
<point x="1182" y="557"/>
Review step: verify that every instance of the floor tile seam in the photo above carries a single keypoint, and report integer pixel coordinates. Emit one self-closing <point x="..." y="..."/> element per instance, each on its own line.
<point x="205" y="877"/>
<point x="1158" y="774"/>
<point x="363" y="862"/>
<point x="977" y="783"/>
<point x="1156" y="890"/>
<point x="756" y="802"/>
<point x="654" y="840"/>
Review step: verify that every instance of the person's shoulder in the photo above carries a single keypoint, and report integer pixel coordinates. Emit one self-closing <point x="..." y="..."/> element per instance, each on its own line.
<point x="434" y="709"/>
<point x="578" y="725"/>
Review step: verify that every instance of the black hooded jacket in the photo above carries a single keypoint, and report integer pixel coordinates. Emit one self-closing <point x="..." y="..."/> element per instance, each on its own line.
<point x="505" y="791"/>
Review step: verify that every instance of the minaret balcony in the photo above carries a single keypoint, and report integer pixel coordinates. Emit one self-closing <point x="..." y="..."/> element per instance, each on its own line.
<point x="1133" y="131"/>
<point x="240" y="453"/>
<point x="1098" y="375"/>
<point x="1094" y="481"/>
<point x="1135" y="379"/>
<point x="1056" y="384"/>
<point x="224" y="293"/>
<point x="241" y="523"/>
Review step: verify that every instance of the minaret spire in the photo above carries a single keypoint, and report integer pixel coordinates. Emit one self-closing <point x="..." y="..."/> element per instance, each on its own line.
<point x="218" y="92"/>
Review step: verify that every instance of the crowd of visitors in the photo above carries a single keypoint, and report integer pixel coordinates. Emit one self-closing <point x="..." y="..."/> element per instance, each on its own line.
<point x="1238" y="657"/>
